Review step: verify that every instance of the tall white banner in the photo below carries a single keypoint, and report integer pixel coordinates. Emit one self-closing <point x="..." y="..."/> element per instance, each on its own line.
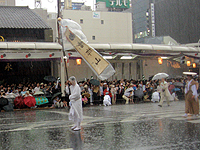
<point x="101" y="67"/>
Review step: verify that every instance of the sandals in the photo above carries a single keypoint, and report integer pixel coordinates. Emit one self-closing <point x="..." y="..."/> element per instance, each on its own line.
<point x="77" y="129"/>
<point x="73" y="127"/>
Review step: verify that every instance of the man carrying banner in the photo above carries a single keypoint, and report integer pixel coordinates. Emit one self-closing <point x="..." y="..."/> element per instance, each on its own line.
<point x="76" y="112"/>
<point x="191" y="96"/>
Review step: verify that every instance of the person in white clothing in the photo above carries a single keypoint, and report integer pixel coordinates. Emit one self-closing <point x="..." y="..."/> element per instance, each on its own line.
<point x="107" y="100"/>
<point x="155" y="97"/>
<point x="165" y="94"/>
<point x="37" y="88"/>
<point x="76" y="112"/>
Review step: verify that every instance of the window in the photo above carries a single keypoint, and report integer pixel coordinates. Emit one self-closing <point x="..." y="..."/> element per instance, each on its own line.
<point x="81" y="20"/>
<point x="93" y="37"/>
<point x="102" y="21"/>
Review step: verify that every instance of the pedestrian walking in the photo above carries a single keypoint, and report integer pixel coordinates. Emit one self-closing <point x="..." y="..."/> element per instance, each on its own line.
<point x="164" y="93"/>
<point x="76" y="112"/>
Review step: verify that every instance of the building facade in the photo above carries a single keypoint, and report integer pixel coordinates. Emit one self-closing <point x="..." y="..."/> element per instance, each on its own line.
<point x="7" y="2"/>
<point x="178" y="19"/>
<point x="174" y="18"/>
<point x="103" y="27"/>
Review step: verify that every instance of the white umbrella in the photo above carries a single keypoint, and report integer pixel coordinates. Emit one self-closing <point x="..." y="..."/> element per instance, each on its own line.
<point x="160" y="76"/>
<point x="38" y="93"/>
<point x="190" y="73"/>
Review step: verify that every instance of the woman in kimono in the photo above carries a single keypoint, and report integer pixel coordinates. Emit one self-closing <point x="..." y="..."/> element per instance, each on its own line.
<point x="76" y="112"/>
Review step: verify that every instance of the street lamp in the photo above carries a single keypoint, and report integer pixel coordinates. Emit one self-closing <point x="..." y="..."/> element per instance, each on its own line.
<point x="78" y="61"/>
<point x="160" y="60"/>
<point x="194" y="65"/>
<point x="188" y="63"/>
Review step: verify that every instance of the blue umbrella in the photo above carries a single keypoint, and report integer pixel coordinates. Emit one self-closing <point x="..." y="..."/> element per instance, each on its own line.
<point x="176" y="89"/>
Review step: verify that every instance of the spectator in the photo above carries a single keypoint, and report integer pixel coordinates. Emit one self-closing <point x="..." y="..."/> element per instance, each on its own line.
<point x="107" y="99"/>
<point x="37" y="88"/>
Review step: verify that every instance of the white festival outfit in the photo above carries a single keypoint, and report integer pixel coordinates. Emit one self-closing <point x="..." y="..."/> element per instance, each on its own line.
<point x="165" y="94"/>
<point x="106" y="100"/>
<point x="76" y="112"/>
<point x="155" y="97"/>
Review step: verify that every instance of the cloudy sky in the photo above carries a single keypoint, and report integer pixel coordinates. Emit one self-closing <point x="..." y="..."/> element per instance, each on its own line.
<point x="50" y="5"/>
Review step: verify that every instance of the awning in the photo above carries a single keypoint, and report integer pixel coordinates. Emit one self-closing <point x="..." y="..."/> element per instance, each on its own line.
<point x="29" y="50"/>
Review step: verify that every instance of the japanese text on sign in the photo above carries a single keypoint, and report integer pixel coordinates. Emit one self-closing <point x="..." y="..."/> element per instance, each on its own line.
<point x="95" y="60"/>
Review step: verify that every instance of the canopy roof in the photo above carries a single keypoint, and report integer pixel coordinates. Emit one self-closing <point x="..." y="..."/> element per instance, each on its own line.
<point x="36" y="50"/>
<point x="145" y="48"/>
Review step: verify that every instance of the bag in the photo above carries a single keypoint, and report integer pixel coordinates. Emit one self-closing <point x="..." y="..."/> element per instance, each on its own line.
<point x="3" y="102"/>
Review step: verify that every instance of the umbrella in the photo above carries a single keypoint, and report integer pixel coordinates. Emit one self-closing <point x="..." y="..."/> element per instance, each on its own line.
<point x="94" y="82"/>
<point x="178" y="77"/>
<point x="3" y="102"/>
<point x="29" y="101"/>
<point x="139" y="93"/>
<point x="129" y="90"/>
<point x="178" y="84"/>
<point x="38" y="93"/>
<point x="50" y="78"/>
<point x="160" y="76"/>
<point x="11" y="95"/>
<point x="57" y="94"/>
<point x="190" y="73"/>
<point x="176" y="89"/>
<point x="19" y="102"/>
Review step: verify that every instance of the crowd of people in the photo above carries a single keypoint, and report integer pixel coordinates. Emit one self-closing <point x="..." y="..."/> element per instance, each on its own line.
<point x="106" y="93"/>
<point x="131" y="91"/>
<point x="79" y="94"/>
<point x="28" y="89"/>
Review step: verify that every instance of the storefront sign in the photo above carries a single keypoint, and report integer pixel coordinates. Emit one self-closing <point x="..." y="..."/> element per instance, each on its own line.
<point x="1" y="38"/>
<point x="153" y="28"/>
<point x="96" y="15"/>
<point x="77" y="5"/>
<point x="116" y="3"/>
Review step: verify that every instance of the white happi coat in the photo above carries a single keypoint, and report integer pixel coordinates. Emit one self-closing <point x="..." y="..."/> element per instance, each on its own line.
<point x="76" y="112"/>
<point x="155" y="97"/>
<point x="165" y="94"/>
<point x="107" y="100"/>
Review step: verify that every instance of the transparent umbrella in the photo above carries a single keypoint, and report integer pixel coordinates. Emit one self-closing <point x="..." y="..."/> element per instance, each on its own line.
<point x="160" y="76"/>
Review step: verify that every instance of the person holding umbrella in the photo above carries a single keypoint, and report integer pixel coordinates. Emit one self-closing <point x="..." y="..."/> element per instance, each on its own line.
<point x="191" y="96"/>
<point x="165" y="94"/>
<point x="164" y="91"/>
<point x="76" y="112"/>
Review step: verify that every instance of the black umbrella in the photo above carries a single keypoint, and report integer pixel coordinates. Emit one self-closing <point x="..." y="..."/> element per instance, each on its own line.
<point x="94" y="82"/>
<point x="139" y="93"/>
<point x="50" y="78"/>
<point x="57" y="94"/>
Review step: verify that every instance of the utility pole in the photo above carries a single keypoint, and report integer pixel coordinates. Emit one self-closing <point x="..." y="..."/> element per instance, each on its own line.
<point x="58" y="16"/>
<point x="60" y="40"/>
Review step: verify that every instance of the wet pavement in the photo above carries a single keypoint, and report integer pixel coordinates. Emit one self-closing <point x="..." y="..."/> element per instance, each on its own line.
<point x="127" y="127"/>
